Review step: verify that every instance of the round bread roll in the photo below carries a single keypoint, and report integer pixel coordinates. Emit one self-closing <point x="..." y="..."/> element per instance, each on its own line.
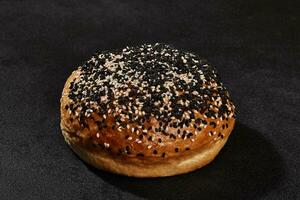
<point x="146" y="111"/>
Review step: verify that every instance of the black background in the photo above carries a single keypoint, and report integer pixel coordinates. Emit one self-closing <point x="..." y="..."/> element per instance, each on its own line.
<point x="254" y="45"/>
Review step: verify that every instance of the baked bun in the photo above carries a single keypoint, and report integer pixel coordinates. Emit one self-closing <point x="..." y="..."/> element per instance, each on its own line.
<point x="146" y="111"/>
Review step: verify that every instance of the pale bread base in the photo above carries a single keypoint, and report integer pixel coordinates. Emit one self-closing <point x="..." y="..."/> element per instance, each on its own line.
<point x="169" y="167"/>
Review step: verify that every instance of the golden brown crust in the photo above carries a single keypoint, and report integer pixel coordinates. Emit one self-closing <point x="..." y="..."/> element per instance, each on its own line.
<point x="88" y="136"/>
<point x="137" y="151"/>
<point x="148" y="168"/>
<point x="85" y="143"/>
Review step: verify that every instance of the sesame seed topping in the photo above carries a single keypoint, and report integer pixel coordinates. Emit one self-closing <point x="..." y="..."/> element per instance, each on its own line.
<point x="134" y="85"/>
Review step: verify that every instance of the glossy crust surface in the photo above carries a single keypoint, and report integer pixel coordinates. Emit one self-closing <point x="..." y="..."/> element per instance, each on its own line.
<point x="143" y="150"/>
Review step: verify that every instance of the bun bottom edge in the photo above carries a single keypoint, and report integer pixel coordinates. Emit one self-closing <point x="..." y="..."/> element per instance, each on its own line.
<point x="140" y="169"/>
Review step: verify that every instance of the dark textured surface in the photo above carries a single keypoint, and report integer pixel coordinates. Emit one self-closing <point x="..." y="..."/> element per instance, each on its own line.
<point x="255" y="47"/>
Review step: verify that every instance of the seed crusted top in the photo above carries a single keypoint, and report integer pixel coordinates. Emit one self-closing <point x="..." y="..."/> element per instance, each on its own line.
<point x="137" y="84"/>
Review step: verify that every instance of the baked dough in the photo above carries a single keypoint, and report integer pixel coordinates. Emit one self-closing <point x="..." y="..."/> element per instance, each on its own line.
<point x="146" y="111"/>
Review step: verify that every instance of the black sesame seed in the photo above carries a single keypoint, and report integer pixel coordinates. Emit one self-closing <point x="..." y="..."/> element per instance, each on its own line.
<point x="163" y="155"/>
<point x="140" y="154"/>
<point x="189" y="135"/>
<point x="192" y="115"/>
<point x="186" y="122"/>
<point x="127" y="149"/>
<point x="143" y="63"/>
<point x="213" y="124"/>
<point x="198" y="121"/>
<point x="176" y="149"/>
<point x="187" y="148"/>
<point x="154" y="152"/>
<point x="172" y="136"/>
